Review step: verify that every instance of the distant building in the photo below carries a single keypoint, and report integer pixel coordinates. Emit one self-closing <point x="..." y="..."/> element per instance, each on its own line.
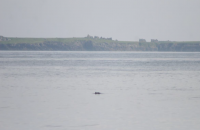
<point x="88" y="36"/>
<point x="142" y="40"/>
<point x="154" y="40"/>
<point x="96" y="37"/>
<point x="3" y="38"/>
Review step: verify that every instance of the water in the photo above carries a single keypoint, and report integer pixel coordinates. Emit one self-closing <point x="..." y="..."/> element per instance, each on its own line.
<point x="141" y="91"/>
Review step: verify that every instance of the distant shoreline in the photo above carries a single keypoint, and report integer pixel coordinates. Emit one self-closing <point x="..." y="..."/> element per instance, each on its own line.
<point x="94" y="44"/>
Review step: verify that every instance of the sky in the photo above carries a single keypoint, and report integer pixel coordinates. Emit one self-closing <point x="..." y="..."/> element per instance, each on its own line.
<point x="125" y="20"/>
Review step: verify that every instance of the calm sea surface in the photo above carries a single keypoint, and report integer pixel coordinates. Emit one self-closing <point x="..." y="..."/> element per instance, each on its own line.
<point x="141" y="91"/>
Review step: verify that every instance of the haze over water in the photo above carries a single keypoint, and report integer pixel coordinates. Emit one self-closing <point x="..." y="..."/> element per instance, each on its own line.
<point x="141" y="90"/>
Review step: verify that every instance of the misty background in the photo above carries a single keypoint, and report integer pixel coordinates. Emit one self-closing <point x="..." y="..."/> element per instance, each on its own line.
<point x="127" y="20"/>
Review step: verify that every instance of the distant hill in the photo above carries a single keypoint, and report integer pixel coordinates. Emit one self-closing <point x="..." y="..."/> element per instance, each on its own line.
<point x="90" y="43"/>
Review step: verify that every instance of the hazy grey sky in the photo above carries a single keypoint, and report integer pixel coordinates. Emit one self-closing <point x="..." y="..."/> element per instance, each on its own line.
<point x="126" y="20"/>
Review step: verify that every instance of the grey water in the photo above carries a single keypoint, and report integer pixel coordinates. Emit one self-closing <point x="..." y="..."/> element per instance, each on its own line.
<point x="141" y="90"/>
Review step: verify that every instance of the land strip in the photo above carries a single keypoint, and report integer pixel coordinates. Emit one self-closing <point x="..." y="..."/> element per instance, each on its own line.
<point x="94" y="44"/>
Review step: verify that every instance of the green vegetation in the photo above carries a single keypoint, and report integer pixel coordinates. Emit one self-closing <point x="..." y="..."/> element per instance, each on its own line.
<point x="63" y="40"/>
<point x="95" y="43"/>
<point x="95" y="39"/>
